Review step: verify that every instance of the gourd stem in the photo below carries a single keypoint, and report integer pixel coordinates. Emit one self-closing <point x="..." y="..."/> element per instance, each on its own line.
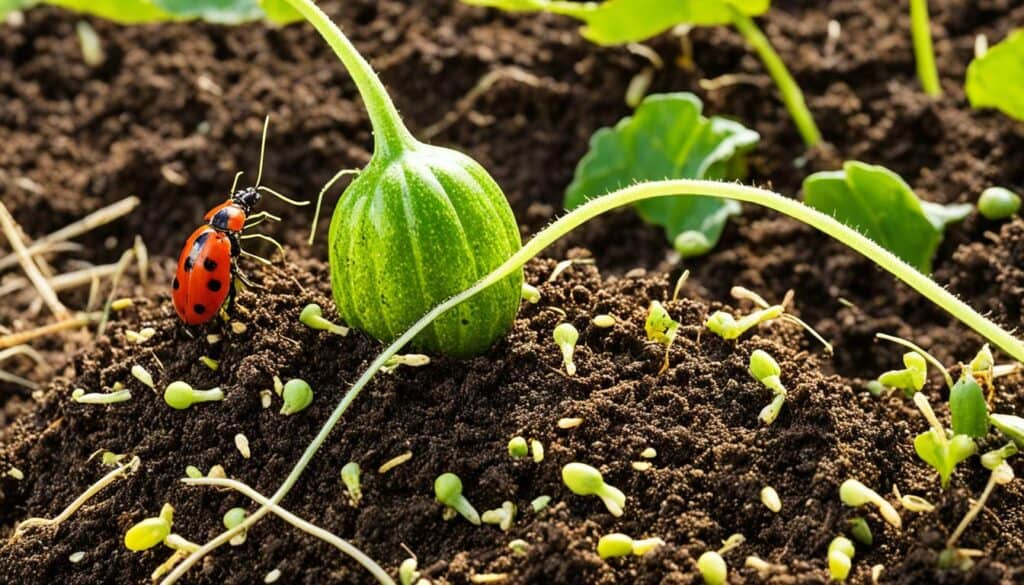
<point x="924" y="54"/>
<point x="792" y="96"/>
<point x="588" y="211"/>
<point x="390" y="136"/>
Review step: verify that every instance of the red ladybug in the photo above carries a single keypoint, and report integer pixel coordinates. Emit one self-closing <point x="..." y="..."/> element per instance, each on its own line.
<point x="207" y="266"/>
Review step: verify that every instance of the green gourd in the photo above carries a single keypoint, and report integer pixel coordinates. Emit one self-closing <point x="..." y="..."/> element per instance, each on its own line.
<point x="419" y="224"/>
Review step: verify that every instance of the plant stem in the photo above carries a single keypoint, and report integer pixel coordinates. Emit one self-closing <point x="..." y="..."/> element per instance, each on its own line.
<point x="792" y="96"/>
<point x="923" y="52"/>
<point x="588" y="211"/>
<point x="927" y="356"/>
<point x="390" y="136"/>
<point x="973" y="512"/>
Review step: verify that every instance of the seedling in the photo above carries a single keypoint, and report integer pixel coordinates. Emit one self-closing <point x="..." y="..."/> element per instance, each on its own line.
<point x="503" y="516"/>
<point x="1002" y="474"/>
<point x="840" y="558"/>
<point x="232" y="518"/>
<point x="994" y="80"/>
<point x="530" y="294"/>
<point x="407" y="573"/>
<point x="860" y="530"/>
<point x="350" y="477"/>
<point x="661" y="328"/>
<point x="996" y="457"/>
<point x="566" y="337"/>
<point x="766" y="370"/>
<point x="209" y="362"/>
<point x="927" y="356"/>
<point x="448" y="490"/>
<point x="968" y="408"/>
<point x="728" y="327"/>
<point x="911" y="378"/>
<point x="983" y="369"/>
<point x="179" y="395"/>
<point x="921" y="33"/>
<point x="998" y="203"/>
<point x="620" y="545"/>
<point x="584" y="480"/>
<point x="312" y="316"/>
<point x="539" y="503"/>
<point x="412" y="360"/>
<point x="517" y="447"/>
<point x="855" y="494"/>
<point x="83" y="397"/>
<point x="938" y="447"/>
<point x="770" y="499"/>
<point x="150" y="532"/>
<point x="297" y="395"/>
<point x="712" y="568"/>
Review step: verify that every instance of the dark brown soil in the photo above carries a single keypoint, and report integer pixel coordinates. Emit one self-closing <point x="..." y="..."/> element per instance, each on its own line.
<point x="187" y="101"/>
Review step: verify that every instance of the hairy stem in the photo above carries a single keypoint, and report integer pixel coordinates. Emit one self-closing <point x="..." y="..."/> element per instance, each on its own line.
<point x="923" y="52"/>
<point x="792" y="96"/>
<point x="390" y="136"/>
<point x="588" y="211"/>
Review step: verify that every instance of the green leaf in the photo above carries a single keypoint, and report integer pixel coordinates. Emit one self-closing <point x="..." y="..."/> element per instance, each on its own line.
<point x="968" y="408"/>
<point x="280" y="11"/>
<point x="625" y="21"/>
<point x="882" y="206"/>
<point x="217" y="11"/>
<point x="943" y="455"/>
<point x="123" y="11"/>
<point x="667" y="138"/>
<point x="9" y="6"/>
<point x="143" y="11"/>
<point x="1009" y="425"/>
<point x="996" y="79"/>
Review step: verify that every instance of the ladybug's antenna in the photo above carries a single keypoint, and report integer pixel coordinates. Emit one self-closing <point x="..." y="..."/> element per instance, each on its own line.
<point x="263" y="149"/>
<point x="235" y="183"/>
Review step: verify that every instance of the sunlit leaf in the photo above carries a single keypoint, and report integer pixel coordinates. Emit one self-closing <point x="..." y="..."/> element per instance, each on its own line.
<point x="996" y="79"/>
<point x="968" y="408"/>
<point x="943" y="455"/>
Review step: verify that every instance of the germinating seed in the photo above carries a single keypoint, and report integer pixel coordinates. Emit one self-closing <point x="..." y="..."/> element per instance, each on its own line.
<point x="407" y="573"/>
<point x="121" y="304"/>
<point x="313" y="317"/>
<point x="217" y="471"/>
<point x="861" y="531"/>
<point x="530" y="294"/>
<point x="149" y="532"/>
<point x="82" y="397"/>
<point x="770" y="499"/>
<point x="840" y="558"/>
<point x="297" y="395"/>
<point x="489" y="578"/>
<point x="712" y="568"/>
<point x="448" y="491"/>
<point x="142" y="375"/>
<point x="537" y="450"/>
<point x="517" y="447"/>
<point x="855" y="494"/>
<point x="242" y="443"/>
<point x="641" y="465"/>
<point x="394" y="462"/>
<point x="193" y="472"/>
<point x="210" y="363"/>
<point x="234" y="517"/>
<point x="265" y="398"/>
<point x="569" y="423"/>
<point x="519" y="546"/>
<point x="540" y="502"/>
<point x="566" y="337"/>
<point x="272" y="576"/>
<point x="603" y="321"/>
<point x="15" y="473"/>
<point x="876" y="573"/>
<point x="132" y="336"/>
<point x="916" y="504"/>
<point x="350" y="473"/>
<point x="76" y="557"/>
<point x="584" y="480"/>
<point x="614" y="545"/>
<point x="179" y="395"/>
<point x="238" y="327"/>
<point x="998" y="203"/>
<point x="213" y="339"/>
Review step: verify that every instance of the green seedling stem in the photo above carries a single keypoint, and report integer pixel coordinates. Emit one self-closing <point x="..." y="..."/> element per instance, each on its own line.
<point x="390" y="134"/>
<point x="929" y="357"/>
<point x="923" y="51"/>
<point x="792" y="96"/>
<point x="594" y="208"/>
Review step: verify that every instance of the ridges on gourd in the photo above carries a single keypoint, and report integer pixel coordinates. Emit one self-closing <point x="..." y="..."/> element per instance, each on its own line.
<point x="415" y="229"/>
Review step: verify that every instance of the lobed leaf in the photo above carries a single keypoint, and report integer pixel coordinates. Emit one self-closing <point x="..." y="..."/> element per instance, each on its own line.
<point x="625" y="21"/>
<point x="968" y="408"/>
<point x="996" y="79"/>
<point x="942" y="455"/>
<point x="883" y="207"/>
<point x="667" y="138"/>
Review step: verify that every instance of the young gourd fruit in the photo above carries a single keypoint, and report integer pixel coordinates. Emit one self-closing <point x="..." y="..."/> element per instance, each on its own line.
<point x="418" y="225"/>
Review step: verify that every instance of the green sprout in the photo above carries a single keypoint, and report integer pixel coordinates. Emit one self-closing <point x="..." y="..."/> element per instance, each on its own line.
<point x="232" y="518"/>
<point x="530" y="294"/>
<point x="503" y="516"/>
<point x="712" y="568"/>
<point x="938" y="447"/>
<point x="519" y="547"/>
<point x="983" y="369"/>
<point x="448" y="490"/>
<point x="312" y="316"/>
<point x="151" y="531"/>
<point x="350" y="477"/>
<point x="140" y="374"/>
<point x="920" y="351"/>
<point x="179" y="395"/>
<point x="996" y="457"/>
<point x="968" y="408"/>
<point x="766" y="370"/>
<point x="517" y="447"/>
<point x="621" y="545"/>
<point x="566" y="337"/>
<point x="998" y="203"/>
<point x="924" y="54"/>
<point x="860" y="530"/>
<point x="209" y="362"/>
<point x="83" y="397"/>
<point x="412" y="360"/>
<point x="297" y="395"/>
<point x="661" y="328"/>
<point x="407" y="573"/>
<point x="728" y="327"/>
<point x="193" y="472"/>
<point x="540" y="502"/>
<point x="855" y="494"/>
<point x="840" y="558"/>
<point x="911" y="378"/>
<point x="1001" y="474"/>
<point x="584" y="480"/>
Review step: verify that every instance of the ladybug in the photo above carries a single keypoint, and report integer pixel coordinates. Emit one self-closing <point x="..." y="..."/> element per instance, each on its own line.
<point x="207" y="265"/>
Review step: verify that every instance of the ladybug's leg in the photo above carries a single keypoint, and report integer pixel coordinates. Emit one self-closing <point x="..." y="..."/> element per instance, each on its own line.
<point x="265" y="238"/>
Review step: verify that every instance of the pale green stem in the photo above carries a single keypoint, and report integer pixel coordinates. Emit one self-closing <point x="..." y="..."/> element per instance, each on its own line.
<point x="590" y="210"/>
<point x="792" y="96"/>
<point x="390" y="136"/>
<point x="920" y="30"/>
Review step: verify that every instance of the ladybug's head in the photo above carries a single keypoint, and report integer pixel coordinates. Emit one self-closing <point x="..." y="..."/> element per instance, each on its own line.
<point x="246" y="198"/>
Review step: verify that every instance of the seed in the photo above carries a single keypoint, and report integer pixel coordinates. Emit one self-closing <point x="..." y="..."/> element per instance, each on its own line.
<point x="649" y="453"/>
<point x="242" y="443"/>
<point x="193" y="472"/>
<point x="265" y="398"/>
<point x="272" y="576"/>
<point x="860" y="530"/>
<point x="603" y="321"/>
<point x="210" y="363"/>
<point x="15" y="473"/>
<point x="537" y="449"/>
<point x="121" y="304"/>
<point x="213" y="339"/>
<point x="519" y="546"/>
<point x="517" y="447"/>
<point x="770" y="499"/>
<point x="394" y="462"/>
<point x="642" y="465"/>
<point x="916" y="504"/>
<point x="217" y="472"/>
<point x="503" y="516"/>
<point x="350" y="477"/>
<point x="76" y="557"/>
<point x="569" y="423"/>
<point x="142" y="375"/>
<point x="489" y="578"/>
<point x="998" y="203"/>
<point x="238" y="327"/>
<point x="614" y="545"/>
<point x="278" y="385"/>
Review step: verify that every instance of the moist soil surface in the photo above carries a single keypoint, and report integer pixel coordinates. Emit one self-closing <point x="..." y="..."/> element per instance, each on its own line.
<point x="176" y="109"/>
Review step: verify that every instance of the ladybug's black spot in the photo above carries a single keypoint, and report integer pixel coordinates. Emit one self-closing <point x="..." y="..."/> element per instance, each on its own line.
<point x="176" y="284"/>
<point x="213" y="284"/>
<point x="199" y="309"/>
<point x="210" y="265"/>
<point x="188" y="264"/>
